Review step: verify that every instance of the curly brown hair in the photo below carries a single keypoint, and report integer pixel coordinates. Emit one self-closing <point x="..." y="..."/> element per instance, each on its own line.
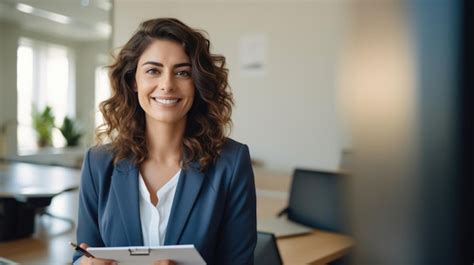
<point x="209" y="119"/>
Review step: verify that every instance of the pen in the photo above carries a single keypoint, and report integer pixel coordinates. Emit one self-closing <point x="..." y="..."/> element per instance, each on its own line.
<point x="83" y="251"/>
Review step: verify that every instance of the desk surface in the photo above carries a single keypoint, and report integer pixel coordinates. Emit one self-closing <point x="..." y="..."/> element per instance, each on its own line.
<point x="31" y="180"/>
<point x="48" y="247"/>
<point x="319" y="247"/>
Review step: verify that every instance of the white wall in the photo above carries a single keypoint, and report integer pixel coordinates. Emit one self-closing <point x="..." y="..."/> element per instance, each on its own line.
<point x="288" y="117"/>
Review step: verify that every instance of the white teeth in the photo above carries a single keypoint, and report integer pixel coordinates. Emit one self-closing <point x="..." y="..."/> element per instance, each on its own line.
<point x="166" y="101"/>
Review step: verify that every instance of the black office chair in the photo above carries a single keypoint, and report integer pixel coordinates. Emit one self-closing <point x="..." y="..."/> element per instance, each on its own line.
<point x="316" y="200"/>
<point x="17" y="217"/>
<point x="266" y="251"/>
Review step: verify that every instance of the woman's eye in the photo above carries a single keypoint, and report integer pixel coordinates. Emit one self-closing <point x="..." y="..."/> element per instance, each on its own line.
<point x="152" y="71"/>
<point x="183" y="74"/>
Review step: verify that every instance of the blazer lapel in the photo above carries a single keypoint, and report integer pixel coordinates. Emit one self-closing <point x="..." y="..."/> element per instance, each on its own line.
<point x="125" y="184"/>
<point x="189" y="184"/>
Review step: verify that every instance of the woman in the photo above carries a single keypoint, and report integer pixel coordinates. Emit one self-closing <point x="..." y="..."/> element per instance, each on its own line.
<point x="169" y="175"/>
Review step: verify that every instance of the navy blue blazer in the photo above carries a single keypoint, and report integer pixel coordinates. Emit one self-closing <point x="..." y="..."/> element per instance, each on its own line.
<point x="214" y="210"/>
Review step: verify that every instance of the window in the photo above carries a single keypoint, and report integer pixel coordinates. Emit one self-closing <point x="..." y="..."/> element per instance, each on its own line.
<point x="102" y="92"/>
<point x="44" y="78"/>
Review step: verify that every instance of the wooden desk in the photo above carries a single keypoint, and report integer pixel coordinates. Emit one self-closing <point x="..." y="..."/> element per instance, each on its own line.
<point x="319" y="247"/>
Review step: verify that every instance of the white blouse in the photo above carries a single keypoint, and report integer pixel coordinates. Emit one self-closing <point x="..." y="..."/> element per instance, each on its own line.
<point x="154" y="219"/>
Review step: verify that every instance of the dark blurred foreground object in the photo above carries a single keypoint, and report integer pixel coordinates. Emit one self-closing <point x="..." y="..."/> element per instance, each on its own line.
<point x="466" y="139"/>
<point x="411" y="186"/>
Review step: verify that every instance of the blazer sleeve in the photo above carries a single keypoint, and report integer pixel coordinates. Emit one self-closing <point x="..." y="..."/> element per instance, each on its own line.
<point x="238" y="233"/>
<point x="87" y="226"/>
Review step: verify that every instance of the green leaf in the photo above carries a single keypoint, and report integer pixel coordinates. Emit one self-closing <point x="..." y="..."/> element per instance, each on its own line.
<point x="43" y="123"/>
<point x="70" y="132"/>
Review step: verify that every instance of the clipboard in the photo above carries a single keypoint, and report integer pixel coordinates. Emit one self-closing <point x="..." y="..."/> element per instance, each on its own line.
<point x="180" y="254"/>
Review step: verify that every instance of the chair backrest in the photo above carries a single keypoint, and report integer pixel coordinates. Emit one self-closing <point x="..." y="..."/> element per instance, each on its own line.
<point x="266" y="251"/>
<point x="316" y="200"/>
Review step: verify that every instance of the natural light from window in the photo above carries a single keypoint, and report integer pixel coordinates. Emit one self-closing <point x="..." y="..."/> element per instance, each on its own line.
<point x="45" y="78"/>
<point x="102" y="92"/>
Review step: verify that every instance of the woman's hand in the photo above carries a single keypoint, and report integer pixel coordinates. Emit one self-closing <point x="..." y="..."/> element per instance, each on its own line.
<point x="164" y="262"/>
<point x="94" y="261"/>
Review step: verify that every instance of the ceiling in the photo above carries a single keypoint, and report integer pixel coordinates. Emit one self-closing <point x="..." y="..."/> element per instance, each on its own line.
<point x="78" y="20"/>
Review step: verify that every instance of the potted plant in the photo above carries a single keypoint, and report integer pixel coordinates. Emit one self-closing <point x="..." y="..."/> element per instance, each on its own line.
<point x="71" y="132"/>
<point x="43" y="122"/>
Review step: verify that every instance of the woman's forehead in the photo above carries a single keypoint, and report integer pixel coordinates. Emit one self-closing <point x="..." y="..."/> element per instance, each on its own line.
<point x="164" y="51"/>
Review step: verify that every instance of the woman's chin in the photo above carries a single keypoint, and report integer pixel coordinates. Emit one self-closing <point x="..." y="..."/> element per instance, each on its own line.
<point x="166" y="119"/>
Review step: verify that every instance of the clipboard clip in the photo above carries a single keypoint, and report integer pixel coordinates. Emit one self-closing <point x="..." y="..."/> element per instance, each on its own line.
<point x="139" y="252"/>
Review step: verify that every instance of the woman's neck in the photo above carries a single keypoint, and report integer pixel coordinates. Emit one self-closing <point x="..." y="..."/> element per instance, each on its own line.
<point x="164" y="141"/>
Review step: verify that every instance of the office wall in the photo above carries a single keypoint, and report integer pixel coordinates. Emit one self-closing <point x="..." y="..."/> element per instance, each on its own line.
<point x="289" y="115"/>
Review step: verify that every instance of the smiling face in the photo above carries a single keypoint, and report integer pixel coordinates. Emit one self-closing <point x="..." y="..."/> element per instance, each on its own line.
<point x="163" y="82"/>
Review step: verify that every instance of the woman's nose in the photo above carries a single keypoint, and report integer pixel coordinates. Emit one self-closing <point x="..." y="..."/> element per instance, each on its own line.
<point x="167" y="82"/>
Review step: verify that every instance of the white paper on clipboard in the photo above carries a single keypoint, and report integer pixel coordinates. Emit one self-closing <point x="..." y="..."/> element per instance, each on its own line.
<point x="180" y="254"/>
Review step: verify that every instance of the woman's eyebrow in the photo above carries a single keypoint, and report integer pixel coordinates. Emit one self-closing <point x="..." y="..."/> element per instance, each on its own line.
<point x="152" y="63"/>
<point x="161" y="65"/>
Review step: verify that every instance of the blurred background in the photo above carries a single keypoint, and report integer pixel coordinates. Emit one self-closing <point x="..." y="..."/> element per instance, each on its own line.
<point x="375" y="90"/>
